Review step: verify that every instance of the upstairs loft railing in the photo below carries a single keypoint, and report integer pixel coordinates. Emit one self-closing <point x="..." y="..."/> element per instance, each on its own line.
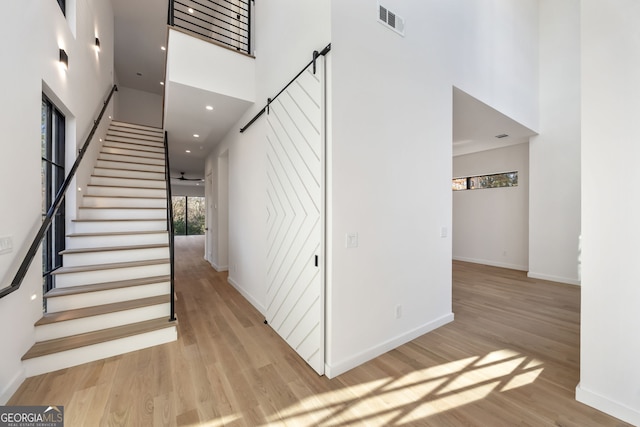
<point x="227" y="22"/>
<point x="167" y="169"/>
<point x="55" y="206"/>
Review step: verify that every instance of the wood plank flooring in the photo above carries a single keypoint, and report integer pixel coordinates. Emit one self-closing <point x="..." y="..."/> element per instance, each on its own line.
<point x="511" y="358"/>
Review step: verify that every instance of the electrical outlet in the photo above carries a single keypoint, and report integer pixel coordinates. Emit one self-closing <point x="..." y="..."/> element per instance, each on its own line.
<point x="398" y="311"/>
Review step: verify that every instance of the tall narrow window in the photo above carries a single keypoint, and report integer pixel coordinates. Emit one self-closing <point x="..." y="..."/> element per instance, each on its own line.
<point x="63" y="6"/>
<point x="52" y="174"/>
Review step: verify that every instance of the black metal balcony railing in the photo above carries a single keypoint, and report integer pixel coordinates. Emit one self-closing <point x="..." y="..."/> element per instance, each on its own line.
<point x="224" y="21"/>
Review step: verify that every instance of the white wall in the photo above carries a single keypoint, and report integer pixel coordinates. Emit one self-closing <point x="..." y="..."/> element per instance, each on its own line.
<point x="610" y="348"/>
<point x="139" y="107"/>
<point x="222" y="213"/>
<point x="555" y="153"/>
<point x="187" y="190"/>
<point x="32" y="38"/>
<point x="279" y="56"/>
<point x="391" y="155"/>
<point x="491" y="226"/>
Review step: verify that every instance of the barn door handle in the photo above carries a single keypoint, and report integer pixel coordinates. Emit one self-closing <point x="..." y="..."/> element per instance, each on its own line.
<point x="316" y="260"/>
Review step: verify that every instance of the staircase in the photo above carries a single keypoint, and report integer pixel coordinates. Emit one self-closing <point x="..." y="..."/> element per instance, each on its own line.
<point x="112" y="295"/>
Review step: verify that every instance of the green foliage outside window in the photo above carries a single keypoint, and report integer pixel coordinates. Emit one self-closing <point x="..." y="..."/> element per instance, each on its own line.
<point x="496" y="180"/>
<point x="188" y="215"/>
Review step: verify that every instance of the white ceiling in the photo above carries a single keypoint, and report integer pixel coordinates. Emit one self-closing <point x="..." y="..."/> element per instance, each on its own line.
<point x="140" y="31"/>
<point x="475" y="126"/>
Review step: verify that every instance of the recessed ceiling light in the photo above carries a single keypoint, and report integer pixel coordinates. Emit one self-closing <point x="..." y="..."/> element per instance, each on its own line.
<point x="163" y="48"/>
<point x="209" y="107"/>
<point x="187" y="151"/>
<point x="139" y="74"/>
<point x="190" y="10"/>
<point x="195" y="135"/>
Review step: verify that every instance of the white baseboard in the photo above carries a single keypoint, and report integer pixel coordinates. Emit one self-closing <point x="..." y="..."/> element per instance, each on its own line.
<point x="12" y="387"/>
<point x="219" y="268"/>
<point x="601" y="403"/>
<point x="551" y="278"/>
<point x="246" y="295"/>
<point x="333" y="370"/>
<point x="492" y="263"/>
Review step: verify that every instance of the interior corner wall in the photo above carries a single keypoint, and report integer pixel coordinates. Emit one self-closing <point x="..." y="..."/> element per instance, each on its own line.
<point x="139" y="107"/>
<point x="391" y="156"/>
<point x="610" y="314"/>
<point x="33" y="37"/>
<point x="284" y="43"/>
<point x="554" y="216"/>
<point x="491" y="226"/>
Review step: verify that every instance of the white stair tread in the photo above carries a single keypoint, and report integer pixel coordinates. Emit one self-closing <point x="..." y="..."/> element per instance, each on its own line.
<point x="112" y="248"/>
<point x="57" y="345"/>
<point x="98" y="267"/>
<point x="84" y="312"/>
<point x="116" y="233"/>
<point x="97" y="287"/>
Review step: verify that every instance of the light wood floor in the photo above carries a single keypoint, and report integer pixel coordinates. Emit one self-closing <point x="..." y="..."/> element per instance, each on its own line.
<point x="509" y="359"/>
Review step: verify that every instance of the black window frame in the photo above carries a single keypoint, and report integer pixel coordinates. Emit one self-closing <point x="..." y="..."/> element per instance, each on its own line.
<point x="481" y="182"/>
<point x="53" y="174"/>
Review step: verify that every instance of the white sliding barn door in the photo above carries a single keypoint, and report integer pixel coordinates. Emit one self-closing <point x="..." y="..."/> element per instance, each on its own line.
<point x="295" y="186"/>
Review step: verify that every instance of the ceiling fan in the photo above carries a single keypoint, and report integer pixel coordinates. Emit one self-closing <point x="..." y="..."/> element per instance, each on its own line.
<point x="182" y="178"/>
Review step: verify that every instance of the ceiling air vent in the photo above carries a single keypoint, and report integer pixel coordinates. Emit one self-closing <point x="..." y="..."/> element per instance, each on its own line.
<point x="390" y="20"/>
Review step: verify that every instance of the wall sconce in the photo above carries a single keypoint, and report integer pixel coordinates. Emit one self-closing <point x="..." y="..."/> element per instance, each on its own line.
<point x="64" y="59"/>
<point x="98" y="44"/>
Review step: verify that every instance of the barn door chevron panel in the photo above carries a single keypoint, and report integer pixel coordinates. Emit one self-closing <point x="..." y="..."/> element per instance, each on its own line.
<point x="295" y="283"/>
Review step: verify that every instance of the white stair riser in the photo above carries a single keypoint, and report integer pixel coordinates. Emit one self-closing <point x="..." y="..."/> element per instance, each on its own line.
<point x="128" y="182"/>
<point x="129" y="152"/>
<point x="117" y="213"/>
<point x="76" y="242"/>
<point x="131" y="158"/>
<point x="153" y="132"/>
<point x="66" y="359"/>
<point x="93" y="190"/>
<point x="133" y="146"/>
<point x="102" y="321"/>
<point x="122" y="202"/>
<point x="147" y="142"/>
<point x="119" y="226"/>
<point x="90" y="299"/>
<point x="101" y="163"/>
<point x="136" y="133"/>
<point x="110" y="275"/>
<point x="111" y="257"/>
<point x="125" y="174"/>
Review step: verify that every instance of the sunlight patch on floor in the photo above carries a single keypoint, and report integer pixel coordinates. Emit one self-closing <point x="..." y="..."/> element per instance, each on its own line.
<point x="218" y="422"/>
<point x="418" y="394"/>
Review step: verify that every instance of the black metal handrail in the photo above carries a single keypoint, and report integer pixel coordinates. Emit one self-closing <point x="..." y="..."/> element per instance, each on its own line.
<point x="167" y="170"/>
<point x="222" y="21"/>
<point x="46" y="223"/>
<point x="316" y="54"/>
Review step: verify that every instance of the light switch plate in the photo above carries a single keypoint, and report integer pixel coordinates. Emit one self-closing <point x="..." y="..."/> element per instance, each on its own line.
<point x="352" y="240"/>
<point x="6" y="244"/>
